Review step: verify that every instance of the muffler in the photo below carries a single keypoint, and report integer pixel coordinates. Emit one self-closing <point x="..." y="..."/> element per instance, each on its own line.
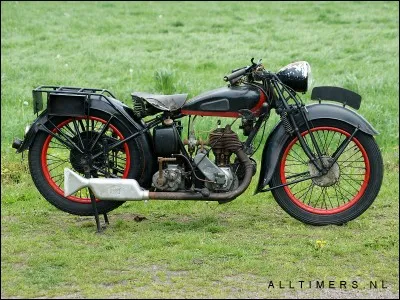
<point x="104" y="188"/>
<point x="129" y="189"/>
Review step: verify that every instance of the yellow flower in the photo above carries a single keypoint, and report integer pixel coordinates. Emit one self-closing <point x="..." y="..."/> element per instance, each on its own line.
<point x="320" y="244"/>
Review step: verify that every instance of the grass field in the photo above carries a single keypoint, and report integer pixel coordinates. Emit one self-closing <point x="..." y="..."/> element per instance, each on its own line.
<point x="190" y="249"/>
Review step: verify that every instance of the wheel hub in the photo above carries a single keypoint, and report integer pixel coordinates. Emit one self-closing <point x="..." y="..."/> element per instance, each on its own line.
<point x="80" y="160"/>
<point x="328" y="179"/>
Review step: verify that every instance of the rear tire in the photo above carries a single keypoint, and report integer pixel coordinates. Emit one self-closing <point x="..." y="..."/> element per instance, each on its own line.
<point x="345" y="192"/>
<point x="48" y="158"/>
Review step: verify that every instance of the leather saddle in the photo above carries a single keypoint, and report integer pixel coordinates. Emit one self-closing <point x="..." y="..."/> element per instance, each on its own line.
<point x="163" y="102"/>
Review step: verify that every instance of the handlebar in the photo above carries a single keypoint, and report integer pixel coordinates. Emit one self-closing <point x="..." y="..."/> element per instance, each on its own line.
<point x="236" y="74"/>
<point x="242" y="71"/>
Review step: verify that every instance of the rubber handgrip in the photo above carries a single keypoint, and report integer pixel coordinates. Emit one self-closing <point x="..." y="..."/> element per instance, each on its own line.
<point x="235" y="74"/>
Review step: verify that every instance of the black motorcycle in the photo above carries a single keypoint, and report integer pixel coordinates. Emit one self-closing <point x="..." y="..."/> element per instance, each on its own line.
<point x="88" y="152"/>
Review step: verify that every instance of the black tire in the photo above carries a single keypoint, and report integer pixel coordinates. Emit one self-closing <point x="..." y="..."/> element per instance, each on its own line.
<point x="129" y="160"/>
<point x="348" y="190"/>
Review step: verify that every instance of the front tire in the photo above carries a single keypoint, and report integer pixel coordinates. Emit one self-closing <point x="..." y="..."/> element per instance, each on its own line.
<point x="48" y="157"/>
<point x="343" y="194"/>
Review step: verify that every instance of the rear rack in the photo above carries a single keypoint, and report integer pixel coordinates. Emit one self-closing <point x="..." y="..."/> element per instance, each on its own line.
<point x="37" y="93"/>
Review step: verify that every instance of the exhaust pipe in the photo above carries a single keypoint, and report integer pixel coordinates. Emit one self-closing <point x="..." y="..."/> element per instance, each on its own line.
<point x="129" y="189"/>
<point x="104" y="188"/>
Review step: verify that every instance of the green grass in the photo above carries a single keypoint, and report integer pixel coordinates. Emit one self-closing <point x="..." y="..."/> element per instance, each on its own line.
<point x="189" y="249"/>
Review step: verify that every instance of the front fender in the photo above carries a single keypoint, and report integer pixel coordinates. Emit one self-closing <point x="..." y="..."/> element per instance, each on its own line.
<point x="278" y="137"/>
<point x="337" y="112"/>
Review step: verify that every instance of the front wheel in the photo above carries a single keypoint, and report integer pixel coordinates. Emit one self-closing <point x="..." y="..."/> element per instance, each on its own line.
<point x="345" y="192"/>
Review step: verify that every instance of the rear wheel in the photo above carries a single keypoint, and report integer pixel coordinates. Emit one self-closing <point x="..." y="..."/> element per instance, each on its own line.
<point x="345" y="192"/>
<point x="49" y="155"/>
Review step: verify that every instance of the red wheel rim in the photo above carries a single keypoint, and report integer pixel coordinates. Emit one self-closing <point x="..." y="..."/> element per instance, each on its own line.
<point x="45" y="167"/>
<point x="341" y="193"/>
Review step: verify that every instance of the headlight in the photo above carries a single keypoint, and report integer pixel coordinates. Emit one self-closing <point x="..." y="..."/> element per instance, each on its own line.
<point x="310" y="79"/>
<point x="296" y="75"/>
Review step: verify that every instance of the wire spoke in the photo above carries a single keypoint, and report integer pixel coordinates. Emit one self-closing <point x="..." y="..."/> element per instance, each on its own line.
<point x="104" y="172"/>
<point x="312" y="189"/>
<point x="93" y="133"/>
<point x="55" y="176"/>
<point x="348" y="149"/>
<point x="337" y="197"/>
<point x="319" y="138"/>
<point x="300" y="159"/>
<point x="340" y="192"/>
<point x="290" y="165"/>
<point x="48" y="154"/>
<point x="294" y="184"/>
<point x="340" y="141"/>
<point x="354" y="167"/>
<point x="299" y="191"/>
<point x="306" y="192"/>
<point x="55" y="141"/>
<point x="342" y="188"/>
<point x="296" y="158"/>
<point x="68" y="142"/>
<point x="323" y="198"/>
<point x="57" y="166"/>
<point x="352" y="156"/>
<point x="52" y="147"/>
<point x="53" y="162"/>
<point x="297" y="174"/>
<point x="82" y="125"/>
<point x="356" y="189"/>
<point x="325" y="140"/>
<point x="359" y="181"/>
<point x="352" y="161"/>
<point x="327" y="147"/>
<point x="103" y="129"/>
<point x="315" y="204"/>
<point x="329" y="199"/>
<point x="71" y="132"/>
<point x="348" y="165"/>
<point x="352" y="174"/>
<point x="78" y="133"/>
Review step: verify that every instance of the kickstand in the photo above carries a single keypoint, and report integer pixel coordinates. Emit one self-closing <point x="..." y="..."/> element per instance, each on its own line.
<point x="94" y="205"/>
<point x="106" y="219"/>
<point x="96" y="214"/>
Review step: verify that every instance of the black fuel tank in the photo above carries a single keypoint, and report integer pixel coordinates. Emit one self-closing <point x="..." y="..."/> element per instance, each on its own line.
<point x="225" y="102"/>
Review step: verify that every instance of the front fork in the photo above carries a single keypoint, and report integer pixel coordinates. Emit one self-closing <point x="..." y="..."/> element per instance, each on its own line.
<point x="287" y="117"/>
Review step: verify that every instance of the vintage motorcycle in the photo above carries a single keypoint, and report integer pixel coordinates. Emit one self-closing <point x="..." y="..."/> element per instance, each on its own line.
<point x="88" y="152"/>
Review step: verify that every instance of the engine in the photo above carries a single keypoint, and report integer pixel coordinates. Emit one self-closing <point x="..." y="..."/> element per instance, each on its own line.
<point x="169" y="179"/>
<point x="217" y="176"/>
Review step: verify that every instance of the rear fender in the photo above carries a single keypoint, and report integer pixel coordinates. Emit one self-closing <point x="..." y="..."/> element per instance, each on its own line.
<point x="278" y="137"/>
<point x="111" y="107"/>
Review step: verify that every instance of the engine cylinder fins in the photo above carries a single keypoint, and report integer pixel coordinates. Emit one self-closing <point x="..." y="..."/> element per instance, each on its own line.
<point x="225" y="138"/>
<point x="224" y="142"/>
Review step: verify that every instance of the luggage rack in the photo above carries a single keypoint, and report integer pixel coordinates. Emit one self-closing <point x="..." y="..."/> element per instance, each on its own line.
<point x="37" y="93"/>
